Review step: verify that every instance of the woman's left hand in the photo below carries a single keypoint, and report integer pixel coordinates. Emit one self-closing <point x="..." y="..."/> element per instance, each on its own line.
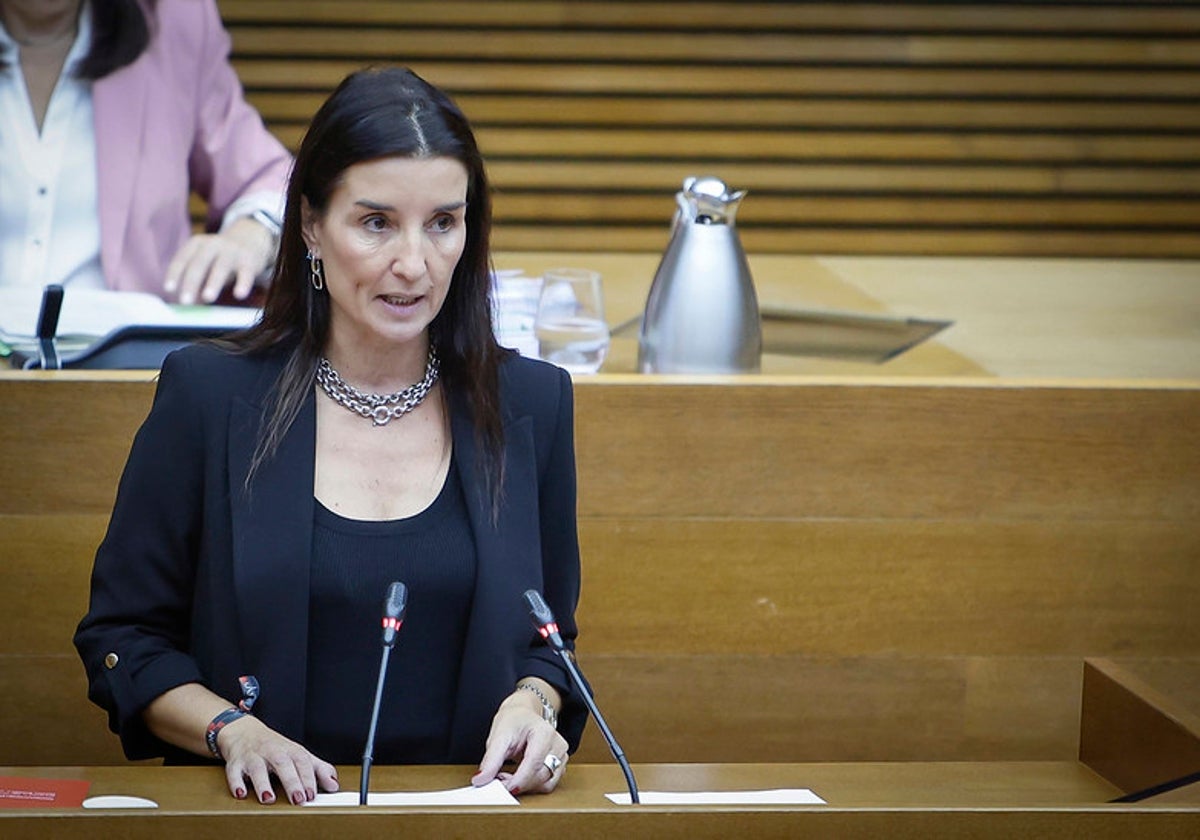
<point x="519" y="732"/>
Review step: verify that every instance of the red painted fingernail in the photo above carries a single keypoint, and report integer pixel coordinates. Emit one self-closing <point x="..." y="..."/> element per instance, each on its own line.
<point x="515" y="791"/>
<point x="268" y="796"/>
<point x="240" y="793"/>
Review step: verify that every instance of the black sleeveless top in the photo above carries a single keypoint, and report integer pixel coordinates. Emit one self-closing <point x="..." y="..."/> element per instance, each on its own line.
<point x="353" y="561"/>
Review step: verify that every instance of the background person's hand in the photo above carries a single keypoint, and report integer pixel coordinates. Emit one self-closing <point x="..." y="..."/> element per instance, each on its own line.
<point x="254" y="752"/>
<point x="208" y="262"/>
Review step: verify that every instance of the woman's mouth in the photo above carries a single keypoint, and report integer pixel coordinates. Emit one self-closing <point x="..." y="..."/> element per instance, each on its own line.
<point x="400" y="300"/>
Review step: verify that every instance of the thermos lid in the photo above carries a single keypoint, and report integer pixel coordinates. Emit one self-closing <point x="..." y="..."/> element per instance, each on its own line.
<point x="707" y="200"/>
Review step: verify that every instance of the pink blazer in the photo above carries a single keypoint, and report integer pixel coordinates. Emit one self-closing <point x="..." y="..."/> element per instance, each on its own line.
<point x="171" y="123"/>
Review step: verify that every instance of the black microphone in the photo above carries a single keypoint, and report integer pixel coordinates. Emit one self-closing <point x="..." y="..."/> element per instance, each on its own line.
<point x="547" y="627"/>
<point x="47" y="327"/>
<point x="393" y="617"/>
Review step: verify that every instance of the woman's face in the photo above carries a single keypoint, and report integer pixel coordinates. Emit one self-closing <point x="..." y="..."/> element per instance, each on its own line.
<point x="390" y="238"/>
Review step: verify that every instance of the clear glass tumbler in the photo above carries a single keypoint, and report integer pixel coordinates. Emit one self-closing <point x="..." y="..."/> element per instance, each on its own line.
<point x="569" y="325"/>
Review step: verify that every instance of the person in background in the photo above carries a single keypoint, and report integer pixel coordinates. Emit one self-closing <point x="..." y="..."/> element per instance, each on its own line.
<point x="111" y="113"/>
<point x="368" y="429"/>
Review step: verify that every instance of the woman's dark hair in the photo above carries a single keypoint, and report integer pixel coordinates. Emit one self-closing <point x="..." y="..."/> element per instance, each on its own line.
<point x="120" y="33"/>
<point x="373" y="114"/>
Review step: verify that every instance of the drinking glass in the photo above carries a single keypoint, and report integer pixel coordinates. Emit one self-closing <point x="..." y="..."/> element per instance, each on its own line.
<point x="569" y="324"/>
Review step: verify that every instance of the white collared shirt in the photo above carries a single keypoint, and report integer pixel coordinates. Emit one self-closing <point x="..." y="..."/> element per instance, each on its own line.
<point x="49" y="218"/>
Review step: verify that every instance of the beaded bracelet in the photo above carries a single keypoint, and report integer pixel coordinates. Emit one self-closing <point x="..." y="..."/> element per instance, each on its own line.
<point x="549" y="714"/>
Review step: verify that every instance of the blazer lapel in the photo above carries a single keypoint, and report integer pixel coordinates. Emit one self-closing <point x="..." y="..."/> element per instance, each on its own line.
<point x="508" y="560"/>
<point x="272" y="548"/>
<point x="119" y="101"/>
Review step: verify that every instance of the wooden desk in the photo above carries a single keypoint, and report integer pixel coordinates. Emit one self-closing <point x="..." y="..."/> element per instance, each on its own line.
<point x="1107" y="319"/>
<point x="865" y="800"/>
<point x="783" y="280"/>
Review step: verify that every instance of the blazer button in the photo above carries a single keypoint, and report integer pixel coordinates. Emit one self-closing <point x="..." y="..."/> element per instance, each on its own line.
<point x="111" y="661"/>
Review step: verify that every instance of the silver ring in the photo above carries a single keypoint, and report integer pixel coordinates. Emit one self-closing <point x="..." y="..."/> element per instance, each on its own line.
<point x="552" y="762"/>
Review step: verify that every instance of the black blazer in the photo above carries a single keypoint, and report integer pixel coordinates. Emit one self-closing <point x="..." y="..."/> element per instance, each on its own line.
<point x="199" y="581"/>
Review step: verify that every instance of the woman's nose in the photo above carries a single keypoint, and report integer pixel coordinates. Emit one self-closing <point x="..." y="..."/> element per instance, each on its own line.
<point x="408" y="256"/>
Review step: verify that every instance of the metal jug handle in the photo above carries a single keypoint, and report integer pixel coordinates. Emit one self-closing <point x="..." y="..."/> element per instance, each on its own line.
<point x="683" y="213"/>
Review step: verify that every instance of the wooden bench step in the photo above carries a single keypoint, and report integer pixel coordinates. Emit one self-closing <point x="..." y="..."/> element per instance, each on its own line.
<point x="700" y="144"/>
<point x="782" y="112"/>
<point x="768" y="209"/>
<point x="906" y="127"/>
<point x="908" y="241"/>
<point x="775" y="47"/>
<point x="793" y="177"/>
<point x="877" y="16"/>
<point x="694" y="79"/>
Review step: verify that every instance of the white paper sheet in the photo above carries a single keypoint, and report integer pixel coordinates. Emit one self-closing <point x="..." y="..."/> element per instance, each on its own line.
<point x="97" y="312"/>
<point x="493" y="793"/>
<point x="779" y="796"/>
<point x="116" y="801"/>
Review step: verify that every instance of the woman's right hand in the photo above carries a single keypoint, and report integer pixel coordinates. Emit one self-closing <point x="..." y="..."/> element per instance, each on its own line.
<point x="251" y="749"/>
<point x="253" y="752"/>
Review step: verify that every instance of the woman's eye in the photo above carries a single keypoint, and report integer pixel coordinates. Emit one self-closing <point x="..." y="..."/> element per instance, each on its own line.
<point x="443" y="223"/>
<point x="375" y="223"/>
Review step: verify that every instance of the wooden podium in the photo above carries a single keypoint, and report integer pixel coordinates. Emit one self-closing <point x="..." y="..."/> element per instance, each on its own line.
<point x="896" y="800"/>
<point x="949" y="606"/>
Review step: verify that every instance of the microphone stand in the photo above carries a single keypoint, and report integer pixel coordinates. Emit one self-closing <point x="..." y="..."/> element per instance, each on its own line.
<point x="393" y="616"/>
<point x="368" y="758"/>
<point x="547" y="627"/>
<point x="609" y="738"/>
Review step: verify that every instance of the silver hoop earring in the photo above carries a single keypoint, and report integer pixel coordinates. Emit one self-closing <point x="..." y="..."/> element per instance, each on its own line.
<point x="316" y="272"/>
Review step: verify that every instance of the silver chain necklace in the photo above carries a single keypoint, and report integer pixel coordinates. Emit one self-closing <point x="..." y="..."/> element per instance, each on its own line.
<point x="380" y="409"/>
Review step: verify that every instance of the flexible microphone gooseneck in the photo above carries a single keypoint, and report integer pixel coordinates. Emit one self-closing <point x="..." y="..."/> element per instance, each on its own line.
<point x="547" y="627"/>
<point x="393" y="617"/>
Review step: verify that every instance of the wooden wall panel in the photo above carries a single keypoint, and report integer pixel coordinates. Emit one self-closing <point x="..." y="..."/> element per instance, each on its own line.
<point x="874" y="587"/>
<point x="47" y="716"/>
<point x="962" y="107"/>
<point x="45" y="565"/>
<point x="760" y="707"/>
<point x="774" y="569"/>
<point x="767" y="448"/>
<point x="62" y="449"/>
<point x="45" y="572"/>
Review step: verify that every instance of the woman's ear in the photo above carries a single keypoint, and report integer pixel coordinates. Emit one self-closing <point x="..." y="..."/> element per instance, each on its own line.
<point x="308" y="227"/>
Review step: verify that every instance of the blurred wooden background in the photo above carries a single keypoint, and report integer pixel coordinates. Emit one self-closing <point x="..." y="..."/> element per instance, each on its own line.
<point x="937" y="128"/>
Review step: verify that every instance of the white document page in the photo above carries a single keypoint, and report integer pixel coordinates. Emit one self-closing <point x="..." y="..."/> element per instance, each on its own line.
<point x="780" y="796"/>
<point x="493" y="793"/>
<point x="97" y="312"/>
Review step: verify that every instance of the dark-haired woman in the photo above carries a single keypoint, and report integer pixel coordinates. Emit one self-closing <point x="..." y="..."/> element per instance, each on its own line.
<point x="368" y="429"/>
<point x="114" y="111"/>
